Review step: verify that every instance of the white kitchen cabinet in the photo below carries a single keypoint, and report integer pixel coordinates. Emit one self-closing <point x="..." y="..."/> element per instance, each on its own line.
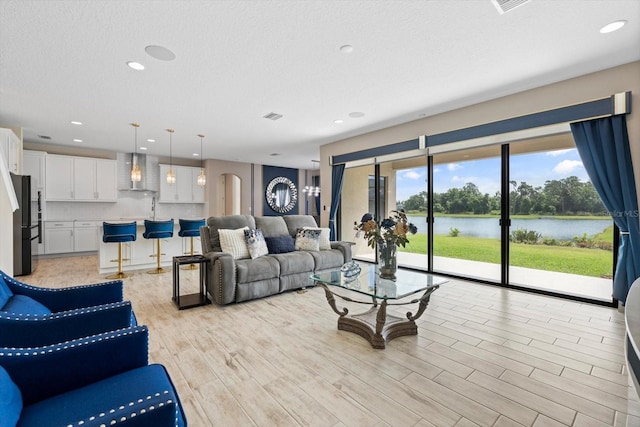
<point x="185" y="189"/>
<point x="58" y="237"/>
<point x="33" y="164"/>
<point x="59" y="178"/>
<point x="80" y="179"/>
<point x="85" y="236"/>
<point x="10" y="145"/>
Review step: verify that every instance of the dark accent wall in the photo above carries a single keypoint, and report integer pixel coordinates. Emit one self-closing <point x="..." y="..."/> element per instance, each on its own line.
<point x="270" y="172"/>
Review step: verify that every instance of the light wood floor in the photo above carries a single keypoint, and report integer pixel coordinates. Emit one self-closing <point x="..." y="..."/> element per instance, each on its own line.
<point x="484" y="356"/>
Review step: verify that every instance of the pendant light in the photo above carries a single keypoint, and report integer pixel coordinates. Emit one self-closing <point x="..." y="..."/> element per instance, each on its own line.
<point x="171" y="177"/>
<point x="312" y="190"/>
<point x="136" y="174"/>
<point x="202" y="179"/>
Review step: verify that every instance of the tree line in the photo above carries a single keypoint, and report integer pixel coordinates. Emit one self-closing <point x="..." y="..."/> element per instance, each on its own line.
<point x="567" y="196"/>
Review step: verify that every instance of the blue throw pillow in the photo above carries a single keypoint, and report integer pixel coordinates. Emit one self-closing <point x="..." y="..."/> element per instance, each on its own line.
<point x="10" y="400"/>
<point x="280" y="244"/>
<point x="22" y="304"/>
<point x="5" y="292"/>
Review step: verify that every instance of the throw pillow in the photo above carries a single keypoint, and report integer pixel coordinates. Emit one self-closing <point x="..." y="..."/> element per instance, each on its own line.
<point x="325" y="243"/>
<point x="308" y="240"/>
<point x="280" y="244"/>
<point x="10" y="400"/>
<point x="232" y="242"/>
<point x="5" y="292"/>
<point x="22" y="304"/>
<point x="255" y="243"/>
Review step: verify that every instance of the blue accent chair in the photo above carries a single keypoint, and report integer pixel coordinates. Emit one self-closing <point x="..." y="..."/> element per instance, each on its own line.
<point x="119" y="233"/>
<point x="99" y="380"/>
<point x="190" y="228"/>
<point x="32" y="316"/>
<point x="158" y="230"/>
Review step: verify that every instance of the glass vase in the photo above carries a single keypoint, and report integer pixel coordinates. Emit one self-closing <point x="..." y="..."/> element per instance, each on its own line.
<point x="387" y="260"/>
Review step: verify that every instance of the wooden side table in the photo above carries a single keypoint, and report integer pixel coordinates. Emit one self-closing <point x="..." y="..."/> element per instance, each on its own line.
<point x="190" y="300"/>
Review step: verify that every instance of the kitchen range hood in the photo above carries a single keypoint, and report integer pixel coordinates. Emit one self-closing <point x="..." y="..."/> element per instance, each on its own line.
<point x="148" y="166"/>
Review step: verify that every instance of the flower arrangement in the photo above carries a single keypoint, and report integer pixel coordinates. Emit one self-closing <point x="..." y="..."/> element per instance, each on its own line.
<point x="389" y="231"/>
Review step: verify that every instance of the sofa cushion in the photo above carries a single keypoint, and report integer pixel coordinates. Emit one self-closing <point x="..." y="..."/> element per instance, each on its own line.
<point x="294" y="222"/>
<point x="327" y="260"/>
<point x="5" y="292"/>
<point x="234" y="243"/>
<point x="307" y="240"/>
<point x="325" y="242"/>
<point x="229" y="222"/>
<point x="253" y="270"/>
<point x="294" y="262"/>
<point x="280" y="245"/>
<point x="23" y="304"/>
<point x="10" y="400"/>
<point x="255" y="243"/>
<point x="272" y="226"/>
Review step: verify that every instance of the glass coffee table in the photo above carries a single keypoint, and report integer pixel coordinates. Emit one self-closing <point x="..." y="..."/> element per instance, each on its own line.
<point x="375" y="325"/>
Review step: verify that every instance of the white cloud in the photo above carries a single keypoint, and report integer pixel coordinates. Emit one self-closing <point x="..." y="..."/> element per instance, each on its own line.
<point x="436" y="170"/>
<point x="454" y="166"/>
<point x="411" y="174"/>
<point x="567" y="166"/>
<point x="557" y="153"/>
<point x="464" y="179"/>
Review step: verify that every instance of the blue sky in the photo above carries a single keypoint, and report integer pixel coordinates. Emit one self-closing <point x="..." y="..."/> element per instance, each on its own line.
<point x="533" y="168"/>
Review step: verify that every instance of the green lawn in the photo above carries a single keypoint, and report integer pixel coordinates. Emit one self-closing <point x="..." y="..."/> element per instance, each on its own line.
<point x="586" y="262"/>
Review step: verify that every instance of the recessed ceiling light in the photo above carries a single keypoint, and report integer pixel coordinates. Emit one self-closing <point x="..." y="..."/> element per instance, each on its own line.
<point x="135" y="65"/>
<point x="613" y="26"/>
<point x="143" y="148"/>
<point x="356" y="114"/>
<point x="195" y="154"/>
<point x="77" y="140"/>
<point x="151" y="140"/>
<point x="73" y="122"/>
<point x="338" y="121"/>
<point x="160" y="52"/>
<point x="347" y="48"/>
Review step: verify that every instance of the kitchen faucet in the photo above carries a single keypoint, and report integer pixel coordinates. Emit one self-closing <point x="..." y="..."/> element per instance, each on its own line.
<point x="153" y="207"/>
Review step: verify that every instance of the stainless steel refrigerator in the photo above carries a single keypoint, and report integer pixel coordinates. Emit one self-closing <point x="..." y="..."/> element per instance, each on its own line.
<point x="27" y="226"/>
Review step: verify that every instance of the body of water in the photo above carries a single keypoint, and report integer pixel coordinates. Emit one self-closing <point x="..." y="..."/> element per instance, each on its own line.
<point x="562" y="229"/>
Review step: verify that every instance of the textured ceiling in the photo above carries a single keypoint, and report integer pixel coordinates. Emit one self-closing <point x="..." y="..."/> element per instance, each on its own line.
<point x="237" y="61"/>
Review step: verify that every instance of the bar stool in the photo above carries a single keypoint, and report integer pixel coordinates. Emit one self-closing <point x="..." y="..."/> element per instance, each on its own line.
<point x="190" y="228"/>
<point x="119" y="233"/>
<point x="158" y="230"/>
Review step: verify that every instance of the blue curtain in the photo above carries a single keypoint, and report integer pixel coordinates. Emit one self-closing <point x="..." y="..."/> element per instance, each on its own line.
<point x="603" y="145"/>
<point x="337" y="177"/>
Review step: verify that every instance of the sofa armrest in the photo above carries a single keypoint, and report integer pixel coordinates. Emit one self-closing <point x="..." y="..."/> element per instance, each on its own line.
<point x="345" y="248"/>
<point x="222" y="277"/>
<point x="69" y="298"/>
<point x="42" y="372"/>
<point x="18" y="330"/>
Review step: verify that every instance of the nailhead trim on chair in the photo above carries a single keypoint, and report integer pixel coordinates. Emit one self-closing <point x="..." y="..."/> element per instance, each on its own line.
<point x="44" y="289"/>
<point x="26" y="351"/>
<point x="41" y="317"/>
<point x="124" y="418"/>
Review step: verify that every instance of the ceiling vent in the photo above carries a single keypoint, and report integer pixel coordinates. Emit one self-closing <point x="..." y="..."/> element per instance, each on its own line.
<point x="505" y="6"/>
<point x="44" y="137"/>
<point x="273" y="116"/>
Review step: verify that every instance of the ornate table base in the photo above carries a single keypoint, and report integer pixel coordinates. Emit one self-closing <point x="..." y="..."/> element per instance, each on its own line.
<point x="375" y="325"/>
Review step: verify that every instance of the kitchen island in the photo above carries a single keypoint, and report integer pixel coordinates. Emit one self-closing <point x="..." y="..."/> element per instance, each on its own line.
<point x="140" y="254"/>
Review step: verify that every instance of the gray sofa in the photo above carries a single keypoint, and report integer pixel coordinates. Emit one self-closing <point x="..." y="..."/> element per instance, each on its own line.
<point x="236" y="280"/>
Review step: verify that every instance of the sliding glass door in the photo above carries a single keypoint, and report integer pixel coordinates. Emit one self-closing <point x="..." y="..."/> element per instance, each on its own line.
<point x="561" y="237"/>
<point x="358" y="198"/>
<point x="466" y="206"/>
